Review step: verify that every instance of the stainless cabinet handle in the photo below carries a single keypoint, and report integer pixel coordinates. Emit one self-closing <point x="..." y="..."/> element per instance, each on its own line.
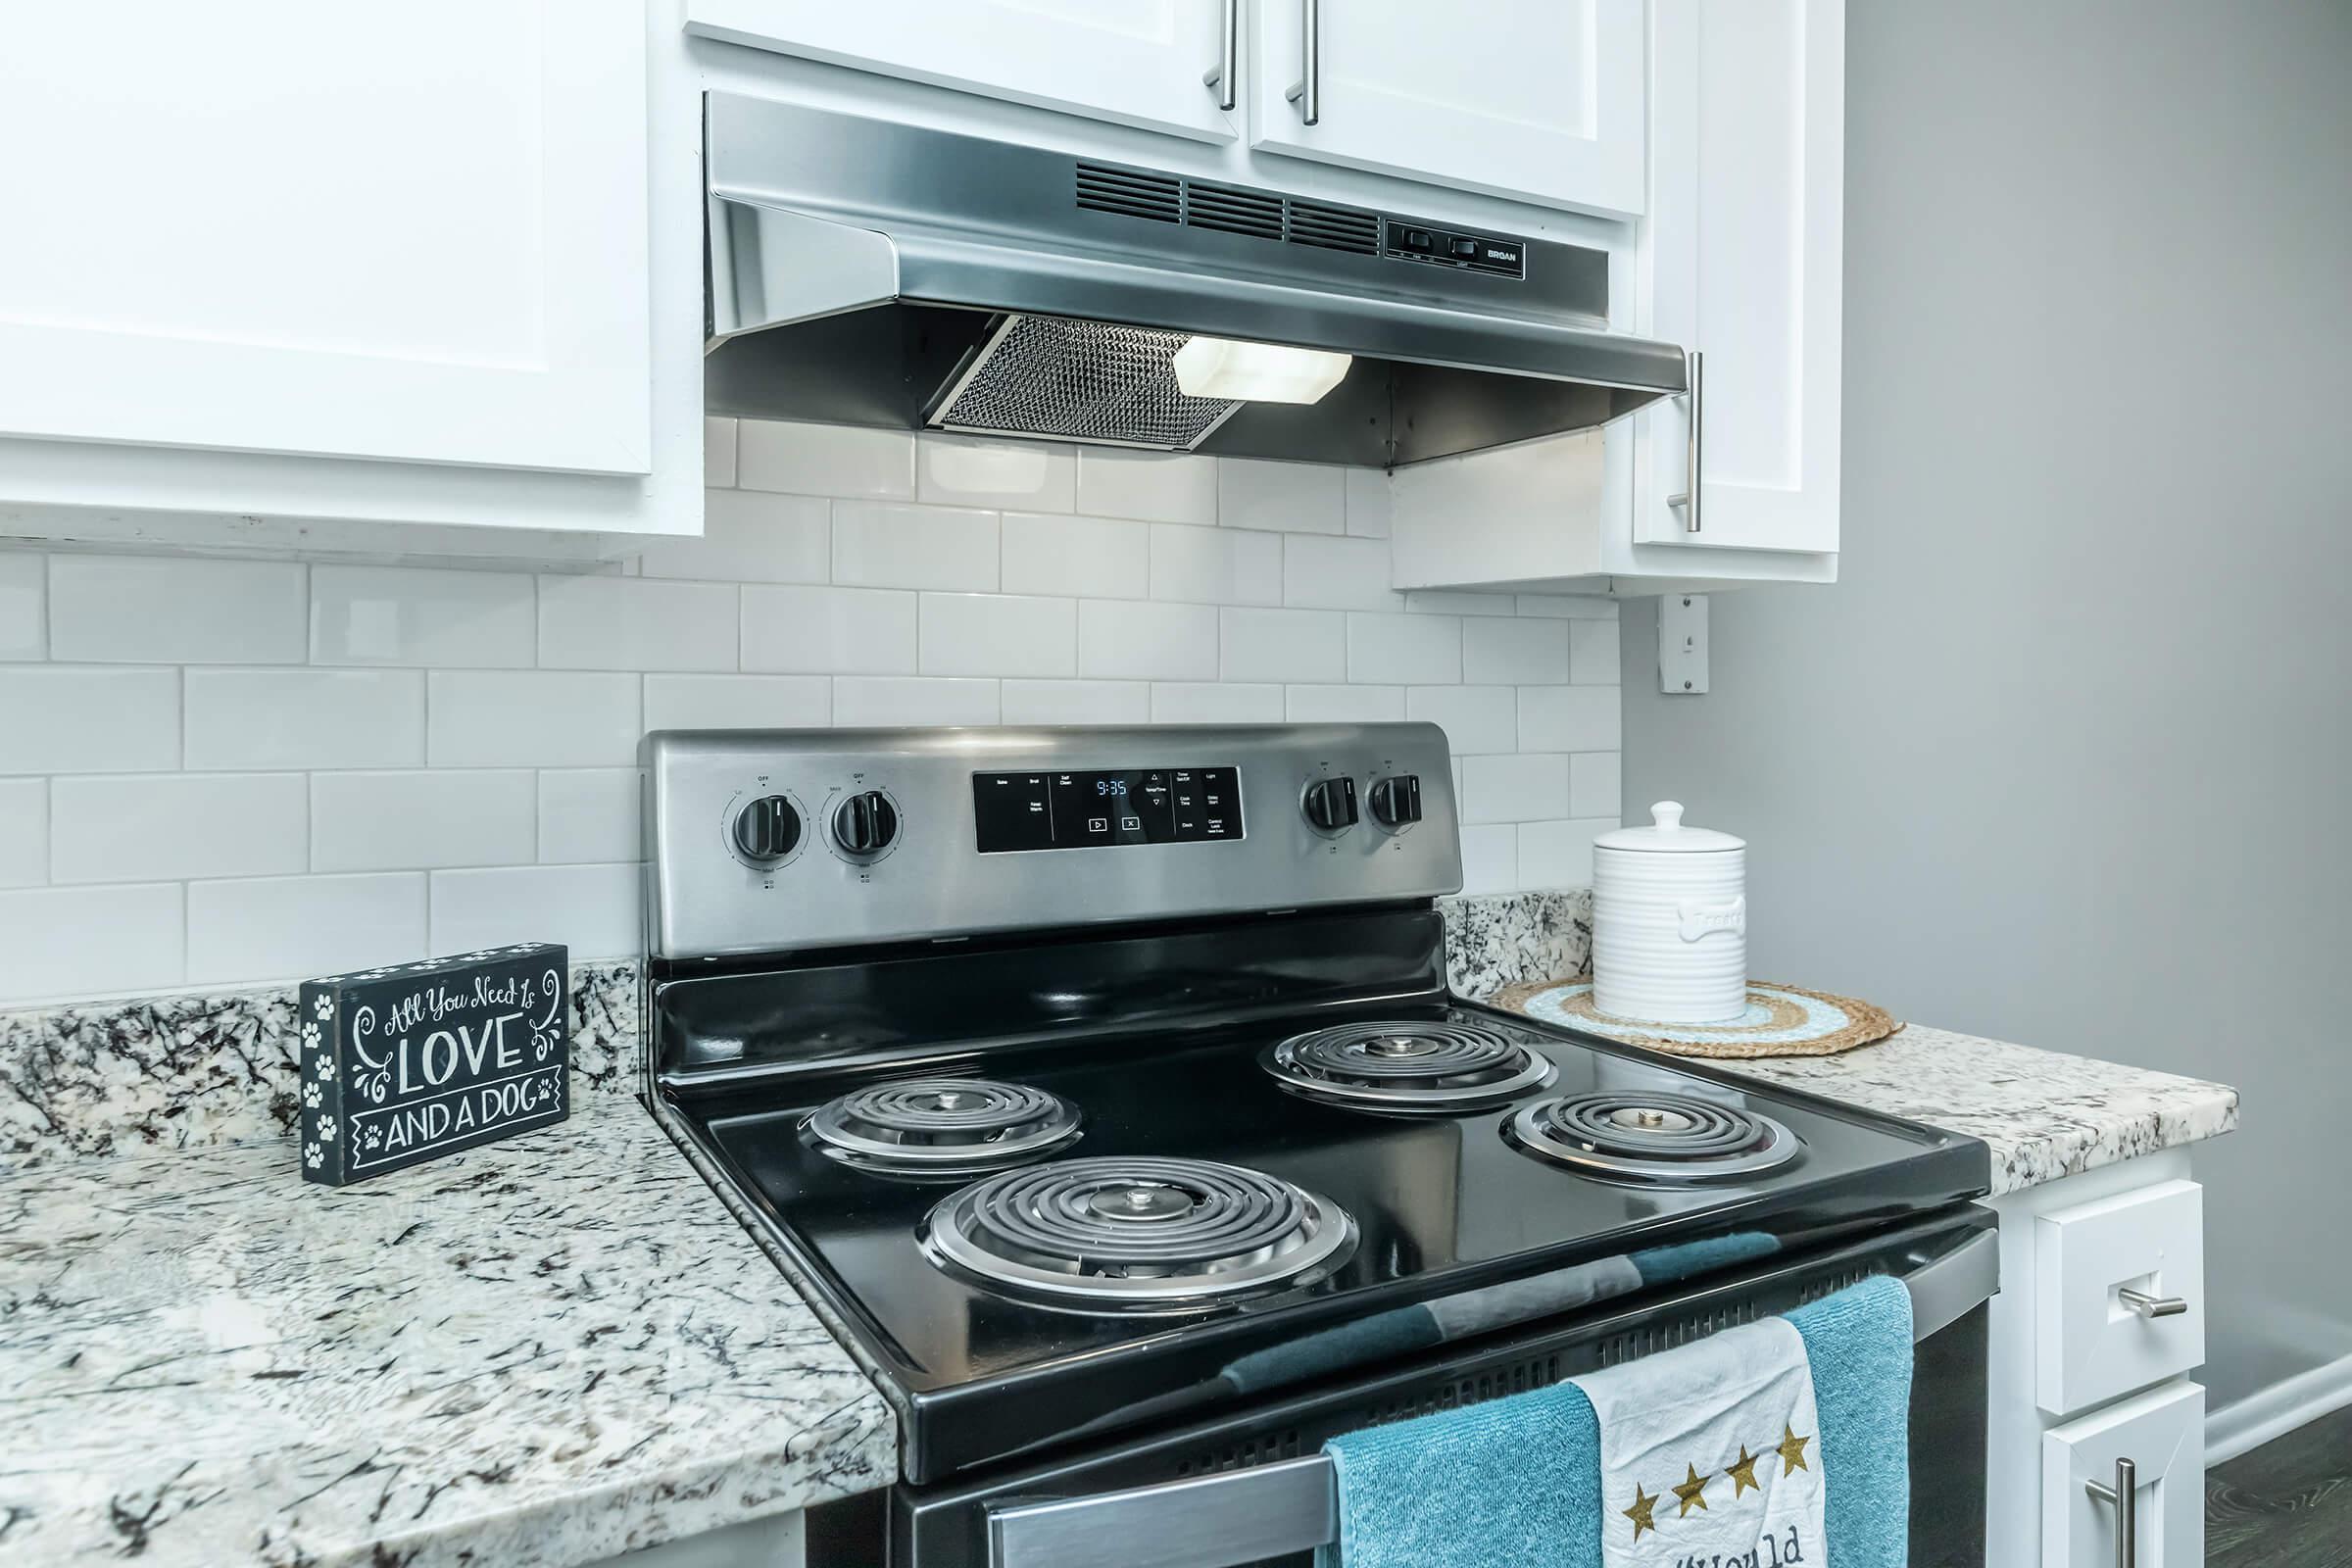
<point x="1224" y="77"/>
<point x="1307" y="91"/>
<point x="2147" y="1305"/>
<point x="2125" y="1494"/>
<point x="1688" y="499"/>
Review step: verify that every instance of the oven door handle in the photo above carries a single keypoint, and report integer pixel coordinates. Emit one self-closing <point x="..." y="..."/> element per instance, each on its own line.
<point x="1292" y="1506"/>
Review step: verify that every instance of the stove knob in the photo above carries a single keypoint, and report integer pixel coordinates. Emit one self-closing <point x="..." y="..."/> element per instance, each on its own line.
<point x="1330" y="804"/>
<point x="768" y="829"/>
<point x="1397" y="800"/>
<point x="865" y="824"/>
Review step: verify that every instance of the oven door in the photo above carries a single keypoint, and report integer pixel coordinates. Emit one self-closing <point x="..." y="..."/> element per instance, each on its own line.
<point x="1255" y="1487"/>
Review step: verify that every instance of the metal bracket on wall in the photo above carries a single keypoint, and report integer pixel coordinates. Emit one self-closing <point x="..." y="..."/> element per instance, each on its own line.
<point x="1682" y="644"/>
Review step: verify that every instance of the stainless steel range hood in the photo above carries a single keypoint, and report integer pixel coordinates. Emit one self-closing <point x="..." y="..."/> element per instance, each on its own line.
<point x="874" y="273"/>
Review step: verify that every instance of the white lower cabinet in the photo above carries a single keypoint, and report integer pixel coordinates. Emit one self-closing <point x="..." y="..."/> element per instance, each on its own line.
<point x="2161" y="1436"/>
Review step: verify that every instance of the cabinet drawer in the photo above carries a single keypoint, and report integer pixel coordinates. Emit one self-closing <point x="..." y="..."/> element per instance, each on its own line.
<point x="2090" y="1342"/>
<point x="2163" y="1433"/>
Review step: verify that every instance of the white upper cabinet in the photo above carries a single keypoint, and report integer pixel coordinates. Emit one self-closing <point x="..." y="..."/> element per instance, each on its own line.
<point x="1539" y="100"/>
<point x="1741" y="258"/>
<point x="274" y="227"/>
<point x="1134" y="62"/>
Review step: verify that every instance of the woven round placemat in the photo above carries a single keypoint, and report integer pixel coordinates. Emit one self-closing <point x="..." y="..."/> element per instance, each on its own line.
<point x="1779" y="1021"/>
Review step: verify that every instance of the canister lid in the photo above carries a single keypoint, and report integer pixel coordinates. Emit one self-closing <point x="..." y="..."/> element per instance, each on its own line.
<point x="1668" y="836"/>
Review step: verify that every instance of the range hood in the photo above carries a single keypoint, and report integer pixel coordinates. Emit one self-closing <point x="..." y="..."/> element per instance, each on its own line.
<point x="868" y="272"/>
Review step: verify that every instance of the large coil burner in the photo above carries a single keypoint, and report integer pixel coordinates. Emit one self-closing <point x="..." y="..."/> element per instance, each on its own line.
<point x="941" y="1126"/>
<point x="1421" y="1069"/>
<point x="1138" y="1234"/>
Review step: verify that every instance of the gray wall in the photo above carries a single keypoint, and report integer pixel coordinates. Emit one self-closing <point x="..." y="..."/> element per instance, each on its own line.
<point x="2063" y="758"/>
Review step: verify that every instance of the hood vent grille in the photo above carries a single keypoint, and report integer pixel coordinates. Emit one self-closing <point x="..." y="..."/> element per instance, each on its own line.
<point x="1226" y="208"/>
<point x="1131" y="193"/>
<point x="1046" y="375"/>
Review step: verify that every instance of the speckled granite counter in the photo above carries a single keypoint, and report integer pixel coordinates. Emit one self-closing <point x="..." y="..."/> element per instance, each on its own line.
<point x="535" y="1353"/>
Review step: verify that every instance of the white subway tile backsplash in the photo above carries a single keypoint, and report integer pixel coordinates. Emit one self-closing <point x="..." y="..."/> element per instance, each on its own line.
<point x="1521" y="788"/>
<point x="1560" y="854"/>
<point x="1337" y="574"/>
<point x="589" y="815"/>
<point x="1286" y="497"/>
<point x="1148" y="485"/>
<point x="636" y="624"/>
<point x="76" y="721"/>
<point x="534" y="719"/>
<point x="718" y="453"/>
<point x="1569" y="718"/>
<point x="406" y="616"/>
<point x="24" y="832"/>
<point x="91" y="941"/>
<point x="293" y="928"/>
<point x="23" y="606"/>
<point x="1283" y="645"/>
<point x="1451" y="602"/>
<point x="880" y="545"/>
<point x="258" y="719"/>
<point x="1475" y="718"/>
<point x="866" y="699"/>
<point x="1514" y="652"/>
<point x="1592" y="653"/>
<point x="825" y="460"/>
<point x="1395" y="647"/>
<point x="998" y="634"/>
<point x="738" y="702"/>
<point x="1092" y="557"/>
<point x="839" y="631"/>
<point x="416" y="819"/>
<point x="166" y="610"/>
<point x="1367" y="503"/>
<point x="1028" y="475"/>
<point x="749" y="536"/>
<point x="1077" y="702"/>
<point x="116" y="827"/>
<point x="595" y="911"/>
<point x="1215" y="703"/>
<point x="1119" y="640"/>
<point x="1491" y="858"/>
<point x="1215" y="566"/>
<point x="1343" y="704"/>
<point x="1594" y="787"/>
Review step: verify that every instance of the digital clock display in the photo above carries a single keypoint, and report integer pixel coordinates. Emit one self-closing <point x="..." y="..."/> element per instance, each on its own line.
<point x="1067" y="810"/>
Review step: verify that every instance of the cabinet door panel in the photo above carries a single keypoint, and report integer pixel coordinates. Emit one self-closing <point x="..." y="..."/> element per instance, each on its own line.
<point x="1134" y="62"/>
<point x="1542" y="100"/>
<point x="2163" y="1433"/>
<point x="270" y="225"/>
<point x="1742" y="260"/>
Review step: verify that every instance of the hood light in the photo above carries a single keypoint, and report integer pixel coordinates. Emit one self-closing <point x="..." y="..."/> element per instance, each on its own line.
<point x="1258" y="372"/>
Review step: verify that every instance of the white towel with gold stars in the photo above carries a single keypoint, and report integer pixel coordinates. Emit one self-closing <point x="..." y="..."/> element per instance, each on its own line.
<point x="1710" y="1455"/>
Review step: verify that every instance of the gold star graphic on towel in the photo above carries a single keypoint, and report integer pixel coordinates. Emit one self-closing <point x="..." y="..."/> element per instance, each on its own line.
<point x="1792" y="1450"/>
<point x="1743" y="1474"/>
<point x="1693" y="1490"/>
<point x="1638" y="1513"/>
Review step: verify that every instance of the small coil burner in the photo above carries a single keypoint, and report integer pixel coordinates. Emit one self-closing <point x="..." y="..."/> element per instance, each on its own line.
<point x="941" y="1126"/>
<point x="1137" y="1234"/>
<point x="1410" y="1067"/>
<point x="1641" y="1135"/>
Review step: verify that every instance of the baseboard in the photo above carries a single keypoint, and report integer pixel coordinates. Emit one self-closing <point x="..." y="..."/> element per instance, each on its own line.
<point x="2276" y="1410"/>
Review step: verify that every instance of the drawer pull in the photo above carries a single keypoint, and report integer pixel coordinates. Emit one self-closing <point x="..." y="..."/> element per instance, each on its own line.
<point x="2152" y="1307"/>
<point x="2125" y="1494"/>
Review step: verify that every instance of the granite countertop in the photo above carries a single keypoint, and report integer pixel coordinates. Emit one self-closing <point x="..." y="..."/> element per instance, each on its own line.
<point x="538" y="1352"/>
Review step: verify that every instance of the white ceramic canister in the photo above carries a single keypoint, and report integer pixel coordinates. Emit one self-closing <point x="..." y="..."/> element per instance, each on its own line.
<point x="1670" y="923"/>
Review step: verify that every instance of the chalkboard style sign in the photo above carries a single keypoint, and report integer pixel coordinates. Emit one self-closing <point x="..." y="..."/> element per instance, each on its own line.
<point x="423" y="1059"/>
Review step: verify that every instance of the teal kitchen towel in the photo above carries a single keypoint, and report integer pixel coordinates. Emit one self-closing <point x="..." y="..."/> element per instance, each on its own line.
<point x="1859" y="1344"/>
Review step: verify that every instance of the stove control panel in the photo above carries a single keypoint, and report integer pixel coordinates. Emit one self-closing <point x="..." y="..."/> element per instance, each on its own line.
<point x="828" y="838"/>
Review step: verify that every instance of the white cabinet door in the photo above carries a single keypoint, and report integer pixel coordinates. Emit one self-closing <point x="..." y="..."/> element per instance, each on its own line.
<point x="2163" y="1433"/>
<point x="1542" y="100"/>
<point x="1135" y="62"/>
<point x="1741" y="258"/>
<point x="413" y="232"/>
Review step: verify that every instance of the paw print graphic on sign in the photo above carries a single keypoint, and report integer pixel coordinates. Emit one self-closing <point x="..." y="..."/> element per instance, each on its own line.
<point x="313" y="1155"/>
<point x="310" y="1097"/>
<point x="324" y="1007"/>
<point x="326" y="1129"/>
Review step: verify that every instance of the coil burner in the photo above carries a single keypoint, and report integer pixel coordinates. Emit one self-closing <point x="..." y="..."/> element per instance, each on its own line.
<point x="1409" y="1067"/>
<point x="1646" y="1135"/>
<point x="941" y="1126"/>
<point x="1138" y="1234"/>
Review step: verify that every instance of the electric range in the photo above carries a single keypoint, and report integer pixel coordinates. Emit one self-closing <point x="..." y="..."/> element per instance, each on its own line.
<point x="1103" y="1089"/>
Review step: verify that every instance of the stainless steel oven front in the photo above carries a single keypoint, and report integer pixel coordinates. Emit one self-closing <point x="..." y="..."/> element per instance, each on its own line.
<point x="1254" y="1489"/>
